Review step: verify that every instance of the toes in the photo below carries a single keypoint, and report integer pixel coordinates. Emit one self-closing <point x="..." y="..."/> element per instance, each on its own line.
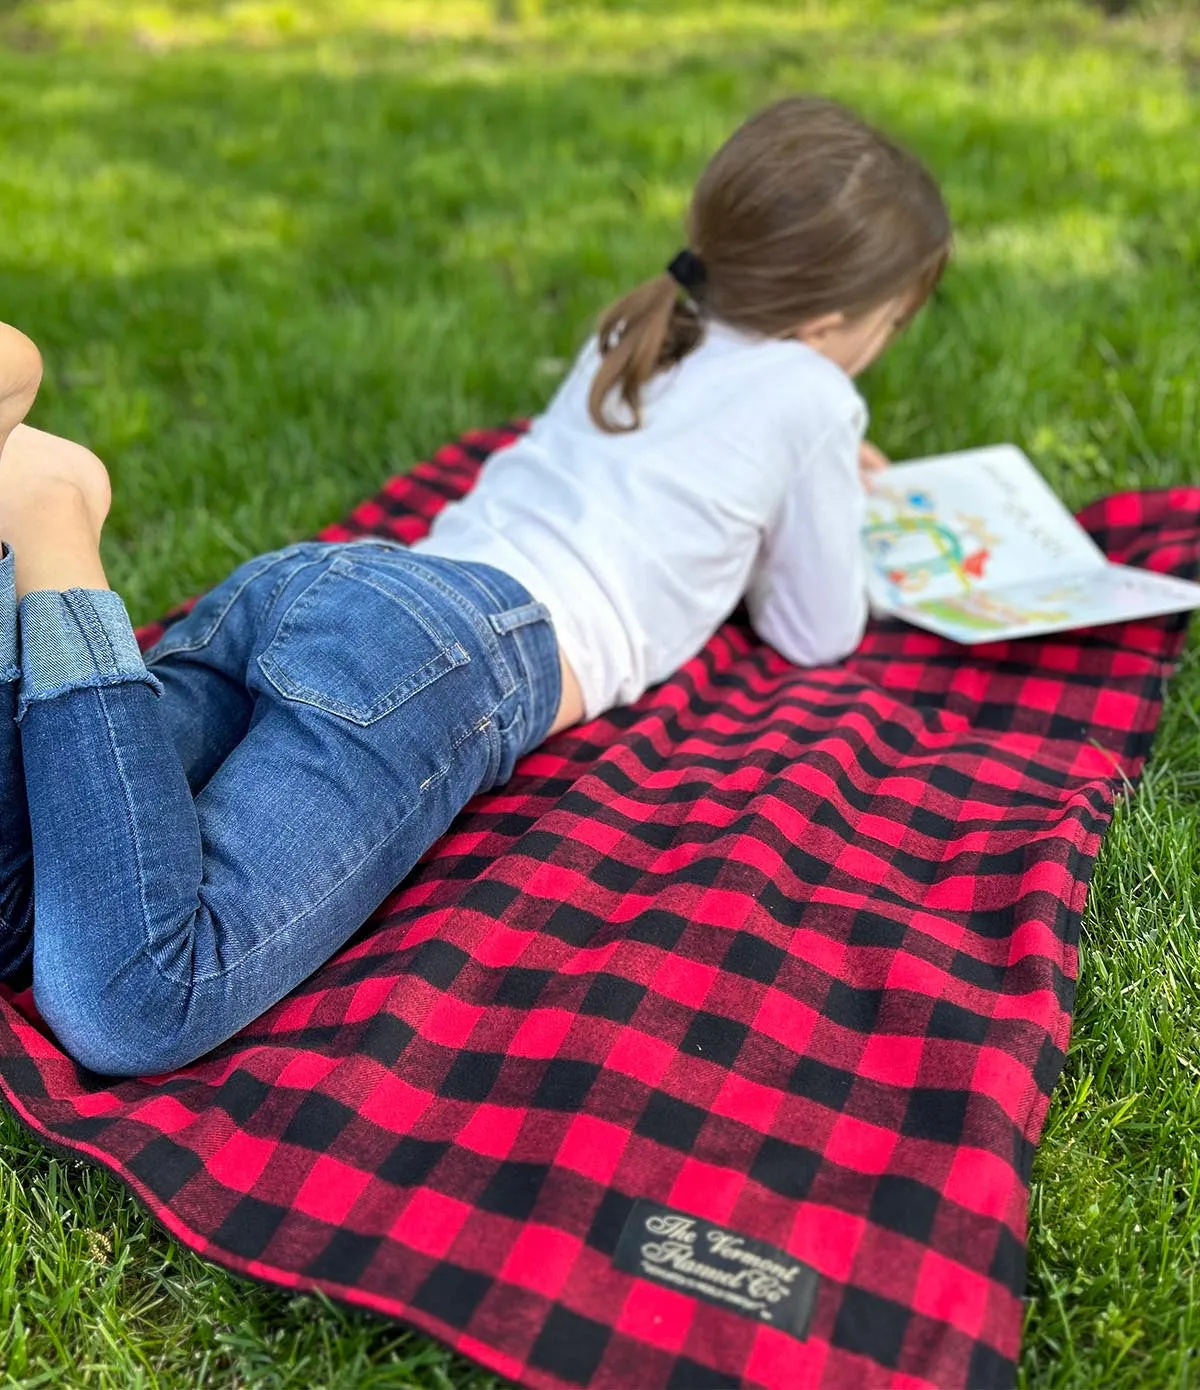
<point x="20" y="360"/>
<point x="20" y="376"/>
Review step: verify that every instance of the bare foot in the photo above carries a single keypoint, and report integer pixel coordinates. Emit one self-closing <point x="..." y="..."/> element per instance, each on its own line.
<point x="32" y="462"/>
<point x="20" y="377"/>
<point x="54" y="495"/>
<point x="35" y="463"/>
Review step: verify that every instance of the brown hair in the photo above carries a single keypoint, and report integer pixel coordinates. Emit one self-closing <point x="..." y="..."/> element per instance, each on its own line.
<point x="805" y="210"/>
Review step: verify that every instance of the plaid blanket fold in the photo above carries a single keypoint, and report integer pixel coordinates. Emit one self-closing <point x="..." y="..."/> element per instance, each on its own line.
<point x="713" y="1050"/>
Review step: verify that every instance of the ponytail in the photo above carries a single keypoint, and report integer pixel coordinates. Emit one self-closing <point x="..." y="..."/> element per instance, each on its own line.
<point x="805" y="210"/>
<point x="644" y="331"/>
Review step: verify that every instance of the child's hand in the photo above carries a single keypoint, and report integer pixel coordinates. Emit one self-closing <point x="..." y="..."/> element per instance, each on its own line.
<point x="870" y="462"/>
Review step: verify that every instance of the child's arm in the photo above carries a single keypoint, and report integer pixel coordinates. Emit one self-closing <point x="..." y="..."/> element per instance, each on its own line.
<point x="807" y="595"/>
<point x="871" y="462"/>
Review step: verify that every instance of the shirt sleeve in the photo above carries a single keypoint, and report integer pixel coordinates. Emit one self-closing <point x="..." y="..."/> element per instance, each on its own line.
<point x="807" y="594"/>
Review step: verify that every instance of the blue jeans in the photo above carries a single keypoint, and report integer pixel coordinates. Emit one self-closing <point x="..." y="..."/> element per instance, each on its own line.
<point x="184" y="839"/>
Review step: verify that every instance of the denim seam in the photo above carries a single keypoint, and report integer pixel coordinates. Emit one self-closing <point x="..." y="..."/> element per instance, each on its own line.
<point x="508" y="676"/>
<point x="218" y="622"/>
<point x="463" y="602"/>
<point x="519" y="633"/>
<point x="283" y="581"/>
<point x="9" y="654"/>
<point x="91" y="629"/>
<point x="522" y="638"/>
<point x="476" y="575"/>
<point x="533" y="684"/>
<point x="131" y="826"/>
<point x="487" y="629"/>
<point x="438" y="638"/>
<point x="9" y="674"/>
<point x="471" y="610"/>
<point x="477" y="728"/>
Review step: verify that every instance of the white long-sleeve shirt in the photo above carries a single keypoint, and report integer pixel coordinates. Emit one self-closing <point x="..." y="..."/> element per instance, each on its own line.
<point x="742" y="480"/>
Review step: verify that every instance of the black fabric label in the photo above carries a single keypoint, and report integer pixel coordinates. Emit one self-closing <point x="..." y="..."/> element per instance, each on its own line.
<point x="733" y="1271"/>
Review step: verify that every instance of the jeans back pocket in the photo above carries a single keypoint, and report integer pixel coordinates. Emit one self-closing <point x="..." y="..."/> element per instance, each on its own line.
<point x="359" y="640"/>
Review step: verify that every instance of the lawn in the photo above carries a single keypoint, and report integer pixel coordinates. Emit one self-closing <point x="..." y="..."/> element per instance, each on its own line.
<point x="276" y="251"/>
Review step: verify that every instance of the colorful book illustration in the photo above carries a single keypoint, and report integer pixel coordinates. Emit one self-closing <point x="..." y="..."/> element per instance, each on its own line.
<point x="976" y="547"/>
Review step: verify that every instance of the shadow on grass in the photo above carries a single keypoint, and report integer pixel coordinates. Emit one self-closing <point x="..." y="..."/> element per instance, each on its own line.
<point x="505" y="186"/>
<point x="267" y="277"/>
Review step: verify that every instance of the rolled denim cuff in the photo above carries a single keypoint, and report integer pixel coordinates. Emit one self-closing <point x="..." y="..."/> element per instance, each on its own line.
<point x="78" y="639"/>
<point x="10" y="668"/>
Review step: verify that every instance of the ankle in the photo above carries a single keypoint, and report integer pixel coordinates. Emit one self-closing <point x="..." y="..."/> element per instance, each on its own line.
<point x="65" y="565"/>
<point x="53" y="538"/>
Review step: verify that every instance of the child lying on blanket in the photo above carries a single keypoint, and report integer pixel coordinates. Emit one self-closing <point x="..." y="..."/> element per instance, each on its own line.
<point x="185" y="838"/>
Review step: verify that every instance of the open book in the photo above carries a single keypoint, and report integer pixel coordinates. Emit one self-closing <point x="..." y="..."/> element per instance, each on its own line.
<point x="975" y="547"/>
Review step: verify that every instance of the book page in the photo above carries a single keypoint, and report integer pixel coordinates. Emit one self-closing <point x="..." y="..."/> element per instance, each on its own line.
<point x="1112" y="594"/>
<point x="947" y="527"/>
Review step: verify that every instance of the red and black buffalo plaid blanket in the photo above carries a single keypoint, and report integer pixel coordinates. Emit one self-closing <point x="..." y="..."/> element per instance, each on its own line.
<point x="712" y="1051"/>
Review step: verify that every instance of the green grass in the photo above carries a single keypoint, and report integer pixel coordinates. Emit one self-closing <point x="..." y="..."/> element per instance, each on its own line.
<point x="277" y="250"/>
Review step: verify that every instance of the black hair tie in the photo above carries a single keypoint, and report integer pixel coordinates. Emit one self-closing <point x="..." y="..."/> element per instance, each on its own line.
<point x="687" y="270"/>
